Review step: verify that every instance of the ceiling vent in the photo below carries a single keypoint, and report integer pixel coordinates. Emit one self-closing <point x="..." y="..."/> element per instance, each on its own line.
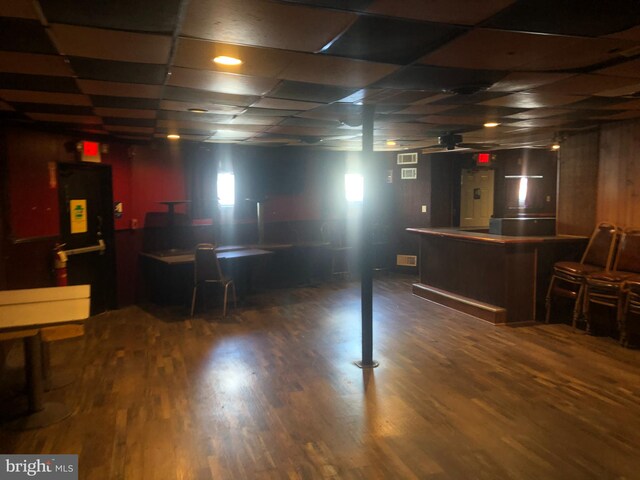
<point x="407" y="158"/>
<point x="408" y="173"/>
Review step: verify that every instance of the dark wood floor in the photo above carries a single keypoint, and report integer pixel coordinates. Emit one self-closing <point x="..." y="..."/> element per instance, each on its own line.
<point x="271" y="392"/>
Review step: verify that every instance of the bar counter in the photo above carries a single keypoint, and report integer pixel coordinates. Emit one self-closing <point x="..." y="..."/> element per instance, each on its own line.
<point x="498" y="278"/>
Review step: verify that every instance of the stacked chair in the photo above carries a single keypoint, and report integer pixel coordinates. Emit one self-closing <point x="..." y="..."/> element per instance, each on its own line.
<point x="609" y="287"/>
<point x="632" y="306"/>
<point x="569" y="278"/>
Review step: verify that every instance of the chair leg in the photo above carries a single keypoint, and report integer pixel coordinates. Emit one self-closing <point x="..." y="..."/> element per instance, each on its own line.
<point x="224" y="306"/>
<point x="581" y="307"/>
<point x="547" y="300"/>
<point x="235" y="298"/>
<point x="193" y="299"/>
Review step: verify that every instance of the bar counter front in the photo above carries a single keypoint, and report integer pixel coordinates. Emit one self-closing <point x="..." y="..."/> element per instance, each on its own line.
<point x="498" y="278"/>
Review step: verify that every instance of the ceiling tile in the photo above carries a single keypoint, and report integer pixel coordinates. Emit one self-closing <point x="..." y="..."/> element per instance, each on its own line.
<point x="329" y="70"/>
<point x="53" y="117"/>
<point x="465" y="12"/>
<point x="124" y="112"/>
<point x="353" y="5"/>
<point x="309" y="92"/>
<point x="155" y="16"/>
<point x="18" y="8"/>
<point x="501" y="50"/>
<point x="194" y="117"/>
<point x="626" y="69"/>
<point x="41" y="83"/>
<point x="542" y="122"/>
<point x="485" y="111"/>
<point x="627" y="115"/>
<point x="264" y="24"/>
<point x="34" y="64"/>
<point x="539" y="113"/>
<point x="224" y="135"/>
<point x="586" y="84"/>
<point x="23" y="35"/>
<point x="186" y="124"/>
<point x="220" y="82"/>
<point x="335" y="112"/>
<point x="629" y="105"/>
<point x="30" y="96"/>
<point x="305" y="131"/>
<point x="112" y="44"/>
<point x="190" y="95"/>
<point x="628" y="90"/>
<point x="124" y="102"/>
<point x="129" y="129"/>
<point x="516" y="81"/>
<point x="385" y="97"/>
<point x="117" y="89"/>
<point x="455" y="119"/>
<point x="277" y="103"/>
<point x="111" y="71"/>
<point x="437" y="79"/>
<point x="129" y="122"/>
<point x="390" y="40"/>
<point x="467" y="99"/>
<point x="272" y="112"/>
<point x="425" y="109"/>
<point x="569" y="17"/>
<point x="533" y="100"/>
<point x="247" y="119"/>
<point x="596" y="103"/>
<point x="53" y="108"/>
<point x="211" y="107"/>
<point x="309" y="122"/>
<point x="259" y="62"/>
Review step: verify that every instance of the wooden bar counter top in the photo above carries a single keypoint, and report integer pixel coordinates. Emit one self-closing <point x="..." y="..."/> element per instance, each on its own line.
<point x="498" y="278"/>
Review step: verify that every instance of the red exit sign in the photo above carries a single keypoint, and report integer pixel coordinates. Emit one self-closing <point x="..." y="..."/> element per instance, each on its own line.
<point x="484" y="159"/>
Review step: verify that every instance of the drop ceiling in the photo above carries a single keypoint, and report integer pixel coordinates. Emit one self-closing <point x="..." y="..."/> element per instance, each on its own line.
<point x="136" y="69"/>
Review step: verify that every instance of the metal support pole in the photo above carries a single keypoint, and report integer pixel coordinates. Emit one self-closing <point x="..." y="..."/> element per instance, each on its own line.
<point x="366" y="271"/>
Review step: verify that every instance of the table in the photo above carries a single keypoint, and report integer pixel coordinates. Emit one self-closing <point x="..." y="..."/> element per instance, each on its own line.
<point x="22" y="314"/>
<point x="170" y="273"/>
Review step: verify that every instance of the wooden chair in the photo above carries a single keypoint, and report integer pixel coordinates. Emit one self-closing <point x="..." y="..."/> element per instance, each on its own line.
<point x="568" y="278"/>
<point x="631" y="288"/>
<point x="606" y="287"/>
<point x="206" y="269"/>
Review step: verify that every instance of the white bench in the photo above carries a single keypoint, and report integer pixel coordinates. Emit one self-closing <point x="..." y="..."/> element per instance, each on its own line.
<point x="31" y="315"/>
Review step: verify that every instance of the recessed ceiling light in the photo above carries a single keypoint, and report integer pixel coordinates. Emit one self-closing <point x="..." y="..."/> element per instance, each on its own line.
<point x="555" y="146"/>
<point x="491" y="124"/>
<point x="391" y="143"/>
<point x="173" y="136"/>
<point x="198" y="110"/>
<point x="224" y="60"/>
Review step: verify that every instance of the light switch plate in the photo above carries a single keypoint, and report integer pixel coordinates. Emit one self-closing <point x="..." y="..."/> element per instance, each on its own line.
<point x="424" y="209"/>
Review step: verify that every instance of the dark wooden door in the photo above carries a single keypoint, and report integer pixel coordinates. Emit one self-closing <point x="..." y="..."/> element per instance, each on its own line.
<point x="86" y="216"/>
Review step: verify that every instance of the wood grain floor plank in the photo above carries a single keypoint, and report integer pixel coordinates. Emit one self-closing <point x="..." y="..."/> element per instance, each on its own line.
<point x="270" y="392"/>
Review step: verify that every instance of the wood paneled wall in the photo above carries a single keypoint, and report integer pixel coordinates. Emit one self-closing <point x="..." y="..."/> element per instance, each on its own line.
<point x="578" y="184"/>
<point x="619" y="178"/>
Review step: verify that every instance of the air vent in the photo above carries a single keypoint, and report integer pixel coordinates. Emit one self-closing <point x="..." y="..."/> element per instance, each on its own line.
<point x="406" y="260"/>
<point x="408" y="173"/>
<point x="407" y="158"/>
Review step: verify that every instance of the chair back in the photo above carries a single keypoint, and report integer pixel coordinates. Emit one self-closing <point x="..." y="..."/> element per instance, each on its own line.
<point x="628" y="256"/>
<point x="206" y="266"/>
<point x="601" y="246"/>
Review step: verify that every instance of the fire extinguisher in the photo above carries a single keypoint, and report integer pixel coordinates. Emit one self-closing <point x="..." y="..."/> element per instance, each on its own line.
<point x="60" y="265"/>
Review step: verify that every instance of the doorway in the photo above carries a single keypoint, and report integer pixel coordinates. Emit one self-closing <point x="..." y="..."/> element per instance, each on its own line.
<point x="476" y="198"/>
<point x="86" y="216"/>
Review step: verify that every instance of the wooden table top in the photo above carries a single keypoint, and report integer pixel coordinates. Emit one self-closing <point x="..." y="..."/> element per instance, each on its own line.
<point x="459" y="234"/>
<point x="189" y="256"/>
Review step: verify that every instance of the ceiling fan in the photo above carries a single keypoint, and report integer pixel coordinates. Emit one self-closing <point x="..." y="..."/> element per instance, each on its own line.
<point x="451" y="141"/>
